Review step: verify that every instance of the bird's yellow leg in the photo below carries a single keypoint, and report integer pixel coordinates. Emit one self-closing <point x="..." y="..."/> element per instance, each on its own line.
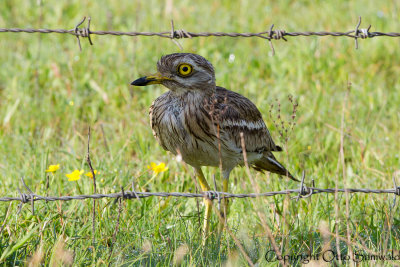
<point x="225" y="202"/>
<point x="207" y="202"/>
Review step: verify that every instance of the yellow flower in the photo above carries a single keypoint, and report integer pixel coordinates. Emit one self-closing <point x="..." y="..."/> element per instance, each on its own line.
<point x="157" y="168"/>
<point x="90" y="175"/>
<point x="53" y="168"/>
<point x="71" y="103"/>
<point x="75" y="175"/>
<point x="309" y="147"/>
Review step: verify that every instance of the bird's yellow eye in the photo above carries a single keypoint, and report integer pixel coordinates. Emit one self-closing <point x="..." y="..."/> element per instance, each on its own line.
<point x="185" y="69"/>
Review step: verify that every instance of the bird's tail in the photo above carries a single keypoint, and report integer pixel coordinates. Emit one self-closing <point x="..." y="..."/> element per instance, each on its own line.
<point x="269" y="163"/>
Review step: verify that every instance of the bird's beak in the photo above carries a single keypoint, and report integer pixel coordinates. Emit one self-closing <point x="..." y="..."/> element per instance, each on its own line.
<point x="151" y="79"/>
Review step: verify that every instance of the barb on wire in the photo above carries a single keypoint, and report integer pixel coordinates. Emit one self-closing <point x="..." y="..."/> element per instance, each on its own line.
<point x="303" y="191"/>
<point x="278" y="34"/>
<point x="216" y="190"/>
<point x="84" y="32"/>
<point x="31" y="196"/>
<point x="361" y="33"/>
<point x="174" y="35"/>
<point x="179" y="34"/>
<point x="26" y="197"/>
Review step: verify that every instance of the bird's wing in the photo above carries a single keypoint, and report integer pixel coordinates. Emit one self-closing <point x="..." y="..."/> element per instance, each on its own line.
<point x="234" y="113"/>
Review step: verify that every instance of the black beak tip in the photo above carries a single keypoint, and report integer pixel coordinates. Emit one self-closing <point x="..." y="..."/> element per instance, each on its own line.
<point x="140" y="82"/>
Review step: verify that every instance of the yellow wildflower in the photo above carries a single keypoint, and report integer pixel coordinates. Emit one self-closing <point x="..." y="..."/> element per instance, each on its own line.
<point x="90" y="175"/>
<point x="75" y="175"/>
<point x="309" y="147"/>
<point x="53" y="168"/>
<point x="71" y="103"/>
<point x="157" y="168"/>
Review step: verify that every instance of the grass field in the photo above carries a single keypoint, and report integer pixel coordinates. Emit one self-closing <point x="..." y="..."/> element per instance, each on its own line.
<point x="50" y="93"/>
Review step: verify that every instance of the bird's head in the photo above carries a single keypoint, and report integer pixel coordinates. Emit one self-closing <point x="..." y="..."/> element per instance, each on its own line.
<point x="182" y="72"/>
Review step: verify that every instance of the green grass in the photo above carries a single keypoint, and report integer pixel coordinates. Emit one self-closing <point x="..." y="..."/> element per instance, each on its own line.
<point x="41" y="74"/>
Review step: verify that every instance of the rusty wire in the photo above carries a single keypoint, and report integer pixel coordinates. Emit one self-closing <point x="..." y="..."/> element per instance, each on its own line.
<point x="308" y="191"/>
<point x="303" y="192"/>
<point x="173" y="34"/>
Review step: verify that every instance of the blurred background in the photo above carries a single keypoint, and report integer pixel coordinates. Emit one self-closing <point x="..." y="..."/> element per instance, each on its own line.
<point x="51" y="92"/>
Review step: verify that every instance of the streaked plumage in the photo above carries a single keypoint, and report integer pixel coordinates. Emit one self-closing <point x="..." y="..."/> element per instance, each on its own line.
<point x="202" y="122"/>
<point x="187" y="118"/>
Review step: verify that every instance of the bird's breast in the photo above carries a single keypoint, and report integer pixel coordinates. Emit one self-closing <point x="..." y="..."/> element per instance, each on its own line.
<point x="185" y="128"/>
<point x="167" y="124"/>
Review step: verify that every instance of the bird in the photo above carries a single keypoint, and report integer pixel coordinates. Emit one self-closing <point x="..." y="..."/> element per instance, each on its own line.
<point x="208" y="125"/>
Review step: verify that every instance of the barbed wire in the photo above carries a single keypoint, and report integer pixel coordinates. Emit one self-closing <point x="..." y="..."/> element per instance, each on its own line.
<point x="269" y="35"/>
<point x="308" y="191"/>
<point x="303" y="192"/>
<point x="173" y="34"/>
